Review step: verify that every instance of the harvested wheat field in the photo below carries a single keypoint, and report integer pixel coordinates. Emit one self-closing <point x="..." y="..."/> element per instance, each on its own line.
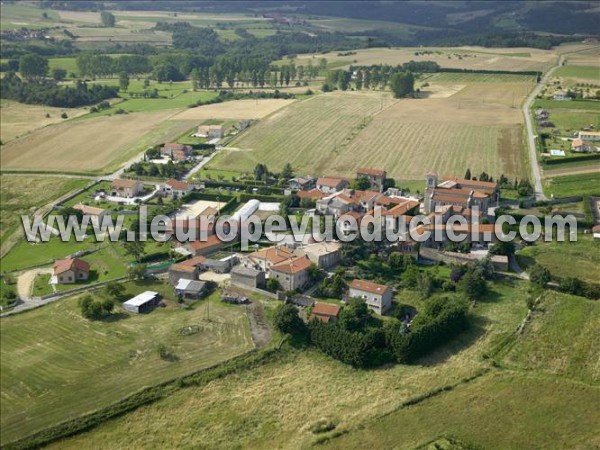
<point x="95" y="145"/>
<point x="236" y="109"/>
<point x="19" y="119"/>
<point x="514" y="59"/>
<point x="458" y="126"/>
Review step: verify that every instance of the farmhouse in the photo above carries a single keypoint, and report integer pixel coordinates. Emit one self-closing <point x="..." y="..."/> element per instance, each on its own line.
<point x="178" y="152"/>
<point x="93" y="213"/>
<point x="459" y="192"/>
<point x="375" y="176"/>
<point x="265" y="258"/>
<point x="190" y="289"/>
<point x="292" y="274"/>
<point x="142" y="303"/>
<point x="580" y="146"/>
<point x="302" y="183"/>
<point x="210" y="131"/>
<point x="322" y="254"/>
<point x="69" y="271"/>
<point x="325" y="312"/>
<point x="126" y="188"/>
<point x="245" y="277"/>
<point x="329" y="185"/>
<point x="378" y="297"/>
<point x="592" y="136"/>
<point x="561" y="96"/>
<point x="176" y="188"/>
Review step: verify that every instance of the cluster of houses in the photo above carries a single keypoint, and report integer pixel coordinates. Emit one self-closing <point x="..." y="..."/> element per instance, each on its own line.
<point x="292" y="265"/>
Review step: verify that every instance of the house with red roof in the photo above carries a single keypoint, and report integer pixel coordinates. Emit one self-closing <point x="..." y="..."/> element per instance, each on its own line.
<point x="292" y="274"/>
<point x="71" y="270"/>
<point x="378" y="297"/>
<point x="325" y="312"/>
<point x="376" y="177"/>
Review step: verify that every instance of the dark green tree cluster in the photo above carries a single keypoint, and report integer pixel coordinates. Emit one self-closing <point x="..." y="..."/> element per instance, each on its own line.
<point x="95" y="309"/>
<point x="402" y="84"/>
<point x="47" y="92"/>
<point x="287" y="320"/>
<point x="442" y="319"/>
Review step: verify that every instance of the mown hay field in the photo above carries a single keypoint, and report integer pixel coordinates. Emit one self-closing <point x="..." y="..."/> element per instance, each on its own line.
<point x="236" y="109"/>
<point x="471" y="125"/>
<point x="91" y="145"/>
<point x="57" y="365"/>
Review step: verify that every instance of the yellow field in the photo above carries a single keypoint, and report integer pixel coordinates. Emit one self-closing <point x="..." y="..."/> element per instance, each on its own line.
<point x="516" y="59"/>
<point x="19" y="119"/>
<point x="237" y="109"/>
<point x="474" y="125"/>
<point x="92" y="145"/>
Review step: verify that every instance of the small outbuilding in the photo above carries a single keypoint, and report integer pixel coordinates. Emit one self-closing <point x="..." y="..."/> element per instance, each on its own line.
<point x="245" y="277"/>
<point x="190" y="289"/>
<point x="143" y="302"/>
<point x="325" y="312"/>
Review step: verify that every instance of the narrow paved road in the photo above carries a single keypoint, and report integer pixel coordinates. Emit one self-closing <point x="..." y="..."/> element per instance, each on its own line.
<point x="531" y="137"/>
<point x="533" y="161"/>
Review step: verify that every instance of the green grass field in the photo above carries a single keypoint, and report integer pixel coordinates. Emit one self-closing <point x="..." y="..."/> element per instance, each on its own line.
<point x="565" y="259"/>
<point x="68" y="64"/>
<point x="497" y="411"/>
<point x="589" y="105"/>
<point x="580" y="72"/>
<point x="41" y="285"/>
<point x="560" y="339"/>
<point x="57" y="365"/>
<point x="571" y="185"/>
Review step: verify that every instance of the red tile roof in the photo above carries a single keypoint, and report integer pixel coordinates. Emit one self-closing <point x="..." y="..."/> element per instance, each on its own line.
<point x="401" y="209"/>
<point x="314" y="194"/>
<point x="325" y="311"/>
<point x="368" y="286"/>
<point x="293" y="266"/>
<point x="120" y="183"/>
<point x="177" y="185"/>
<point x="62" y="265"/>
<point x="274" y="255"/>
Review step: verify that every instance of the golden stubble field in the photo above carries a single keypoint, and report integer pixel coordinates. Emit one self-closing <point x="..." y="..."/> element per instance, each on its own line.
<point x="93" y="145"/>
<point x="514" y="59"/>
<point x="19" y="119"/>
<point x="457" y="125"/>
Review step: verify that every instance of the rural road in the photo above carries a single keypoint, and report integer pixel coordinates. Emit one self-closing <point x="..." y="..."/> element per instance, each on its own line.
<point x="531" y="137"/>
<point x="200" y="165"/>
<point x="535" y="167"/>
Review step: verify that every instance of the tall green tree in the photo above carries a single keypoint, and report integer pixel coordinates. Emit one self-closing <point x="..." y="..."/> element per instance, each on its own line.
<point x="123" y="81"/>
<point x="402" y="84"/>
<point x="108" y="19"/>
<point x="33" y="66"/>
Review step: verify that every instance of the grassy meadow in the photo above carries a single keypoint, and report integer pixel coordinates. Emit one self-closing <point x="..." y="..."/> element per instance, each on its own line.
<point x="572" y="185"/>
<point x="57" y="365"/>
<point x="579" y="72"/>
<point x="565" y="259"/>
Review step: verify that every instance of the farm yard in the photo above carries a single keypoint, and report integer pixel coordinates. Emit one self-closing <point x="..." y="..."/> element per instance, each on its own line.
<point x="475" y="125"/>
<point x="93" y="146"/>
<point x="112" y="358"/>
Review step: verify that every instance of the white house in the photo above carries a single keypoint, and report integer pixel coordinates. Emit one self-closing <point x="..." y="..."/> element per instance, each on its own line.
<point x="378" y="297"/>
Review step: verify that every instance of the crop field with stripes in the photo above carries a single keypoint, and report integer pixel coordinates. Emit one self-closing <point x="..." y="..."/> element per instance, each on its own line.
<point x="472" y="125"/>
